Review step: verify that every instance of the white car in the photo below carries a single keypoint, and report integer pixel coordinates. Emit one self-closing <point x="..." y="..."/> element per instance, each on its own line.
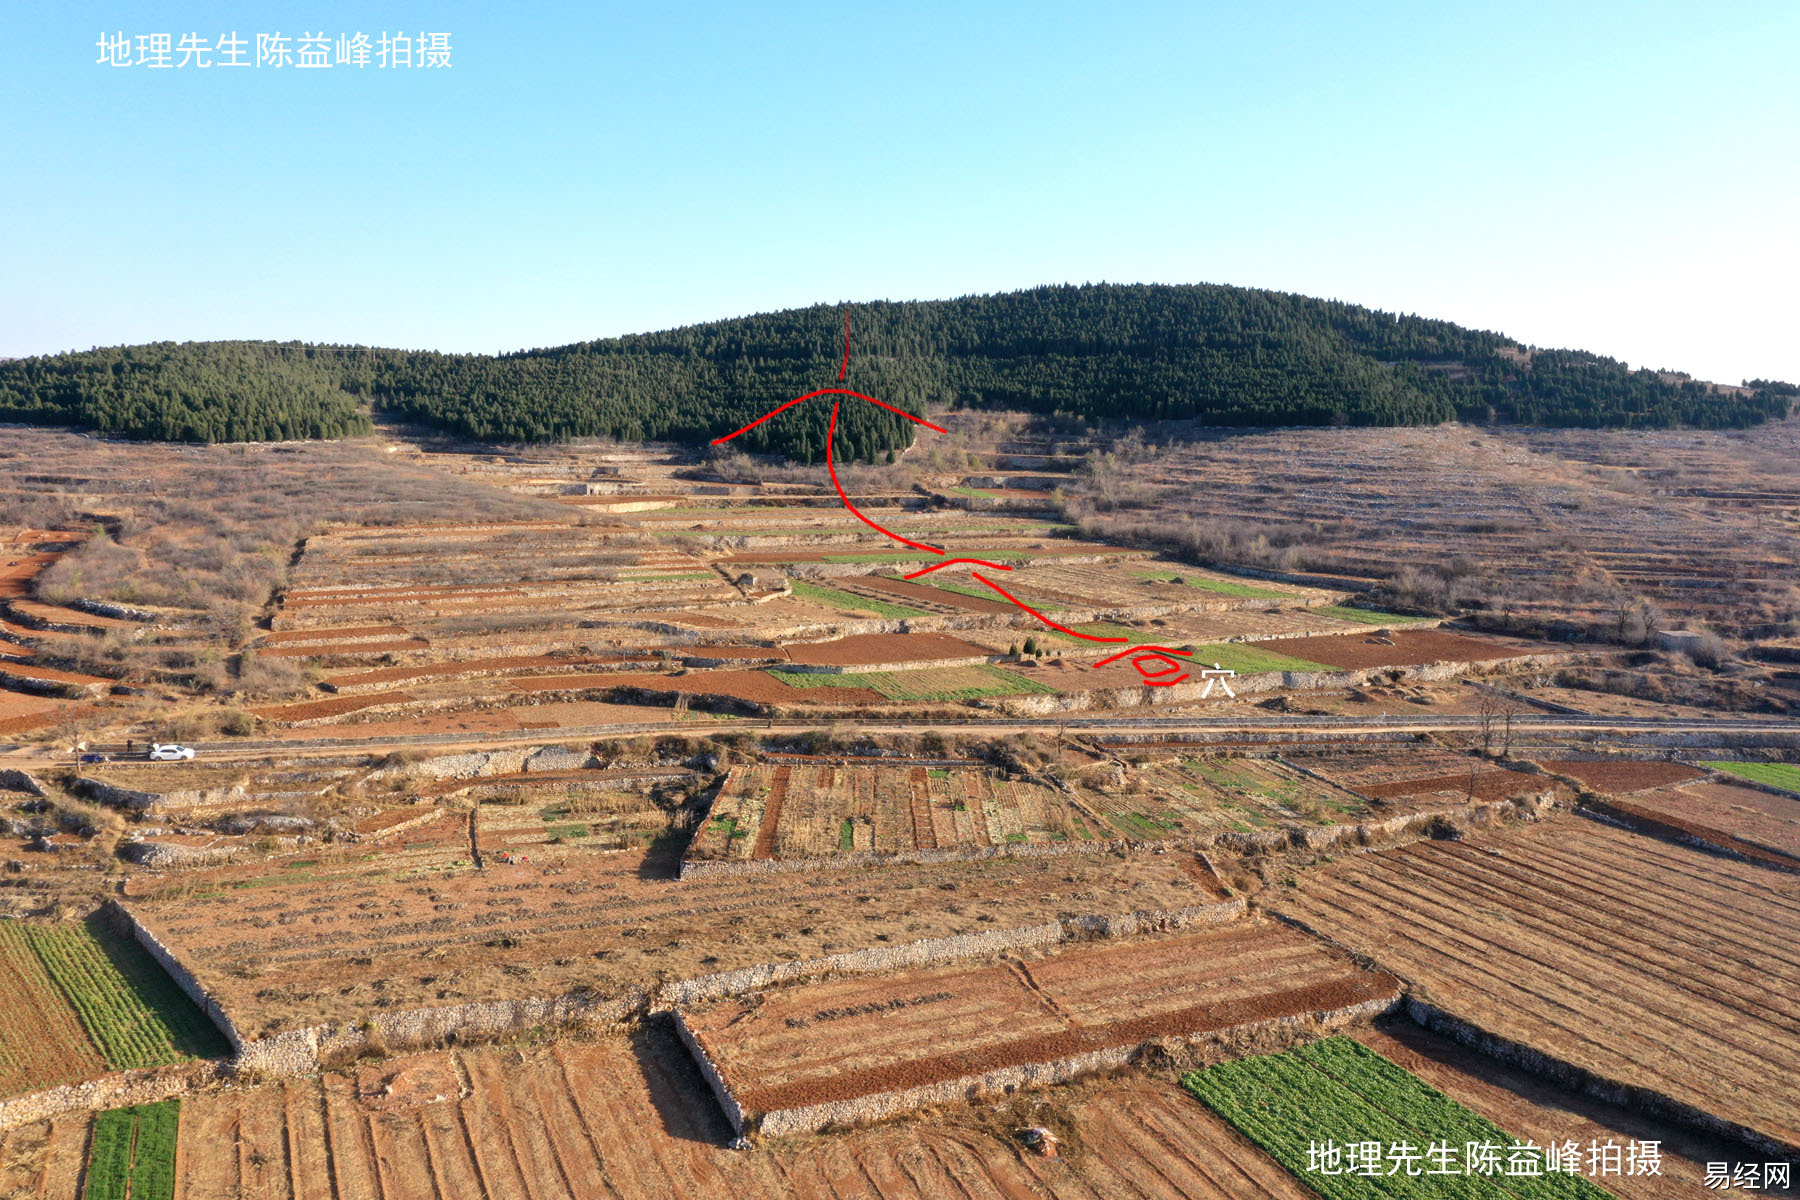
<point x="169" y="753"/>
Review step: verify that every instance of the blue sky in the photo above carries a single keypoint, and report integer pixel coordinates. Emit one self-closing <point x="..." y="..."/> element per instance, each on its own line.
<point x="1621" y="178"/>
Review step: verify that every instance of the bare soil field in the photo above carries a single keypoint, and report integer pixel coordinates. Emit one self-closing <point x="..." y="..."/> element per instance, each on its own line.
<point x="1620" y="777"/>
<point x="1400" y="648"/>
<point x="1756" y="816"/>
<point x="854" y="1039"/>
<point x="630" y="1119"/>
<point x="324" y="939"/>
<point x="1536" y="934"/>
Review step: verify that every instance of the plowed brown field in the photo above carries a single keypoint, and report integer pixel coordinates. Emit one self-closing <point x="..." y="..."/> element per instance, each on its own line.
<point x="282" y="950"/>
<point x="1618" y="776"/>
<point x="844" y="1039"/>
<point x="1761" y="817"/>
<point x="1642" y="961"/>
<point x="1355" y="652"/>
<point x="631" y="1120"/>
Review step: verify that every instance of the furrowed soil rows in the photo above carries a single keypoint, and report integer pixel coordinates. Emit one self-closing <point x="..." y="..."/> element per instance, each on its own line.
<point x="1759" y="817"/>
<point x="1533" y="1108"/>
<point x="42" y="1042"/>
<point x="396" y="927"/>
<point x="855" y="1039"/>
<point x="1535" y="934"/>
<point x="632" y="1120"/>
<point x="766" y="811"/>
<point x="1340" y="1091"/>
<point x="128" y="1004"/>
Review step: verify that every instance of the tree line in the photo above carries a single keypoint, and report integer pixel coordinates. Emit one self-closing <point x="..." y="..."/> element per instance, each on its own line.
<point x="1223" y="355"/>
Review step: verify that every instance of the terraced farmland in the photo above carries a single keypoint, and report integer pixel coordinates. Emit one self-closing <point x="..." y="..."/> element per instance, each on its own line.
<point x="398" y="927"/>
<point x="135" y="1013"/>
<point x="617" y="1118"/>
<point x="1534" y="934"/>
<point x="42" y="1042"/>
<point x="132" y="1154"/>
<point x="800" y="813"/>
<point x="799" y="1057"/>
<point x="1340" y="1093"/>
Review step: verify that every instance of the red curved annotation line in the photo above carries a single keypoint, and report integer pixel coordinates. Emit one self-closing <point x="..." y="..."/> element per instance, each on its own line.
<point x="1040" y="616"/>
<point x="830" y="392"/>
<point x="830" y="436"/>
<point x="950" y="562"/>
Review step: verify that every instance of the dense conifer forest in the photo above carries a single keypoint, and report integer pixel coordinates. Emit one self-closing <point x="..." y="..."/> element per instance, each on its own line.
<point x="1225" y="355"/>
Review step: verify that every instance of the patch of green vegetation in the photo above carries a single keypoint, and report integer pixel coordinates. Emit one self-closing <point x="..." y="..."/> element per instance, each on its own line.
<point x="920" y="685"/>
<point x="939" y="772"/>
<point x="845" y="600"/>
<point x="567" y="831"/>
<point x="1139" y="825"/>
<point x="1366" y="616"/>
<point x="847" y="835"/>
<point x="1016" y="837"/>
<point x="975" y="493"/>
<point x="132" y="1153"/>
<point x="1222" y="586"/>
<point x="1246" y="659"/>
<point x="129" y="1005"/>
<point x="1781" y="775"/>
<point x="1339" y="1091"/>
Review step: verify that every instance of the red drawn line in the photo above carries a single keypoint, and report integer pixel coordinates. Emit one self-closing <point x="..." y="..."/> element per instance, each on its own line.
<point x="830" y="392"/>
<point x="1040" y="616"/>
<point x="846" y="363"/>
<point x="953" y="561"/>
<point x="830" y="435"/>
<point x="760" y="420"/>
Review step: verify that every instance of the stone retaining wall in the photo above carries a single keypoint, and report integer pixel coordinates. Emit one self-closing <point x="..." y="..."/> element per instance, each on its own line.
<point x="1580" y="1079"/>
<point x="116" y="1090"/>
<point x="879" y="1105"/>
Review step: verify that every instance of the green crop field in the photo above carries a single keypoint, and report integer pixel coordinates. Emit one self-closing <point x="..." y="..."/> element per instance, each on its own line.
<point x="1246" y="659"/>
<point x="1367" y="616"/>
<point x="135" y="1013"/>
<point x="1782" y="775"/>
<point x="845" y="600"/>
<point x="132" y="1153"/>
<point x="932" y="683"/>
<point x="1340" y="1092"/>
<point x="1225" y="587"/>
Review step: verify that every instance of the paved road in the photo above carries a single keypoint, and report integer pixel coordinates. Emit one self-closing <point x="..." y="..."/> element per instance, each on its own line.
<point x="1723" y="728"/>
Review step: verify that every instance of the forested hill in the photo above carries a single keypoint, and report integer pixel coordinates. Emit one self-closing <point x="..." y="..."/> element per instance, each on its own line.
<point x="1230" y="356"/>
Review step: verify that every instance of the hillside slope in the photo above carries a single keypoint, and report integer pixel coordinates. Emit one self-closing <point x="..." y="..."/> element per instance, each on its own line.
<point x="1231" y="356"/>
